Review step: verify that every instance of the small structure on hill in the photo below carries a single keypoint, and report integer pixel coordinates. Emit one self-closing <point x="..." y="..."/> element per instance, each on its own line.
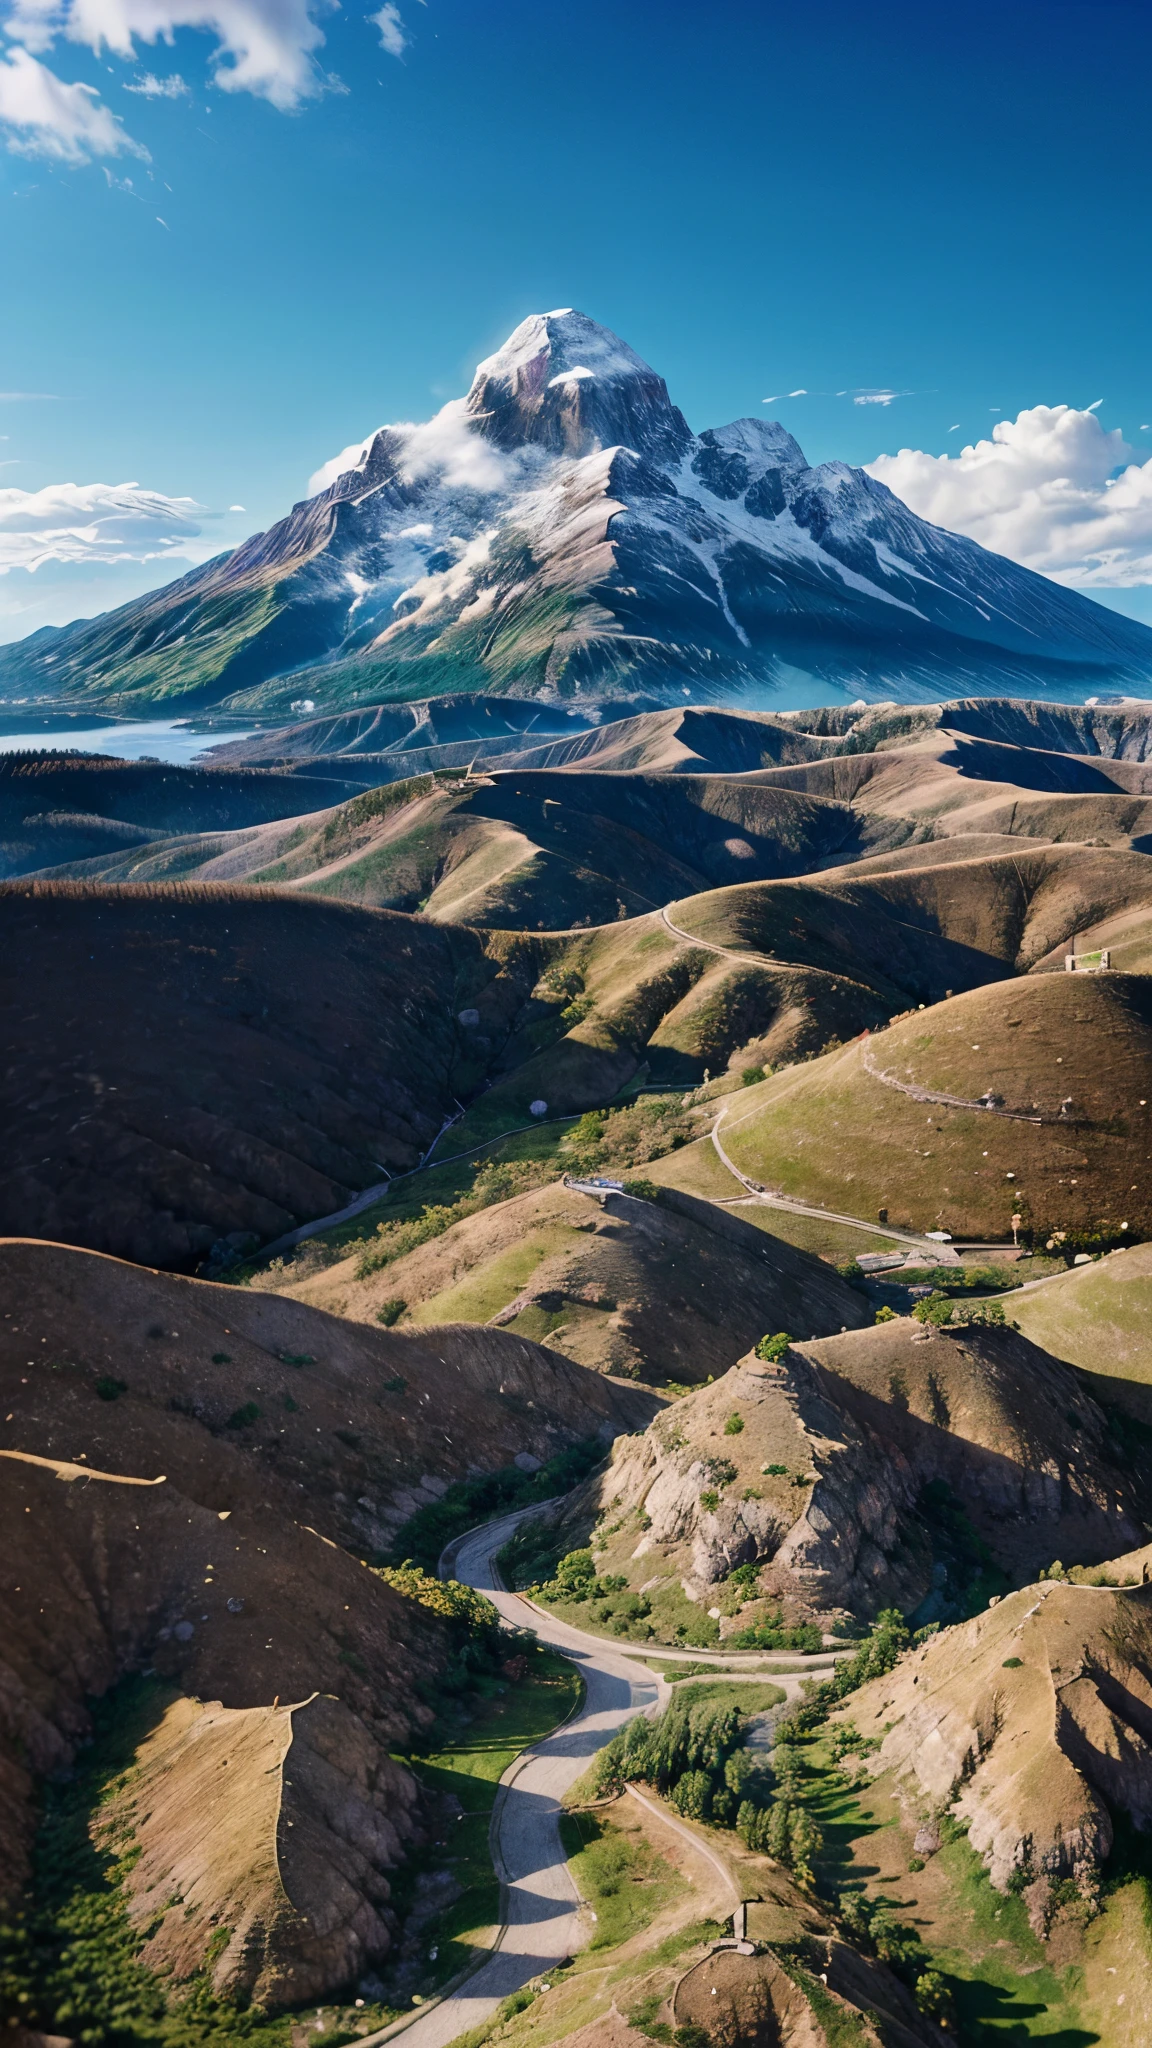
<point x="1092" y="962"/>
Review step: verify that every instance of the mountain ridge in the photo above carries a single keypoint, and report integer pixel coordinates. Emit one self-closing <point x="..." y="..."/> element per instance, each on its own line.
<point x="561" y="533"/>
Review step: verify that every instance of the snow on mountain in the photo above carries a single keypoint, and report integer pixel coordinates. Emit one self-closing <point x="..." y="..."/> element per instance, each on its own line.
<point x="561" y="530"/>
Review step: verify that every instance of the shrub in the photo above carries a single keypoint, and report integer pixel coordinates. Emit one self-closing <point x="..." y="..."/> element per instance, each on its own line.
<point x="221" y="1358"/>
<point x="109" y="1389"/>
<point x="933" y="1996"/>
<point x="390" y="1312"/>
<point x="710" y="1500"/>
<point x="750" y="1075"/>
<point x="242" y="1418"/>
<point x="692" y="1795"/>
<point x="886" y="1315"/>
<point x="643" y="1190"/>
<point x="470" y="1501"/>
<point x="734" y="1425"/>
<point x="773" y="1349"/>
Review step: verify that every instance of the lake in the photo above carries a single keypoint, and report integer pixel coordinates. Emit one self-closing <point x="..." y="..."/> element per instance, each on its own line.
<point x="165" y="739"/>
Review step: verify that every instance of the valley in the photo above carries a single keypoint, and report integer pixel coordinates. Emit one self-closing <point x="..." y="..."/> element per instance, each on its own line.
<point x="715" y="1264"/>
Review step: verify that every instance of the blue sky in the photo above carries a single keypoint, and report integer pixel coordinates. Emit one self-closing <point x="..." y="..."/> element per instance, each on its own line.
<point x="949" y="203"/>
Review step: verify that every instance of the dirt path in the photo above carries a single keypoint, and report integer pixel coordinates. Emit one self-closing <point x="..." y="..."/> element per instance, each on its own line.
<point x="939" y="1254"/>
<point x="918" y="1094"/>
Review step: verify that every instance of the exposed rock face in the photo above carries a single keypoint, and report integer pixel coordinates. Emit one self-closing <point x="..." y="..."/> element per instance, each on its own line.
<point x="568" y="385"/>
<point x="277" y="1823"/>
<point x="824" y="1478"/>
<point x="1033" y="1723"/>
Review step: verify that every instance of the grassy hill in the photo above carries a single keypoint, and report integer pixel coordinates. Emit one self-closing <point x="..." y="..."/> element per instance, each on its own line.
<point x="1098" y="1316"/>
<point x="835" y="1133"/>
<point x="639" y="1289"/>
<point x="543" y="851"/>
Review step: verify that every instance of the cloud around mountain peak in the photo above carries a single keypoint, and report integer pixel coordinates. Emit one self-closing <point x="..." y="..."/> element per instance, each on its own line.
<point x="1052" y="489"/>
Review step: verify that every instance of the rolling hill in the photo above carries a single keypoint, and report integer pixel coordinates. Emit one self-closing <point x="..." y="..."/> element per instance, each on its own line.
<point x="90" y="808"/>
<point x="670" y="1291"/>
<point x="542" y="851"/>
<point x="1022" y="1098"/>
<point x="172" y="1526"/>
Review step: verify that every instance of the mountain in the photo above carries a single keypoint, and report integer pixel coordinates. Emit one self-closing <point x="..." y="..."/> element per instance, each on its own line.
<point x="561" y="533"/>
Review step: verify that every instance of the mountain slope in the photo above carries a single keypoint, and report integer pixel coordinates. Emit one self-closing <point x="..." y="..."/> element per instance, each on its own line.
<point x="561" y="531"/>
<point x="676" y="1290"/>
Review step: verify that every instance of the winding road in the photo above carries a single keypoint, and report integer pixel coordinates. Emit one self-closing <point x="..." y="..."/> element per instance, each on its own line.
<point x="544" y="1921"/>
<point x="543" y="1918"/>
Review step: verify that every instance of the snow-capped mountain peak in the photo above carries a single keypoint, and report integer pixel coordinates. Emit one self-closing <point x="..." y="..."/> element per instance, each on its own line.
<point x="559" y="530"/>
<point x="564" y="382"/>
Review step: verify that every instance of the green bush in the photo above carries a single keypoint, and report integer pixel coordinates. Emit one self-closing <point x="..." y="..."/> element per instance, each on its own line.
<point x="109" y="1389"/>
<point x="750" y="1075"/>
<point x="689" y="1736"/>
<point x="242" y="1418"/>
<point x="773" y="1349"/>
<point x="734" y="1425"/>
<point x="471" y="1501"/>
<point x="390" y="1312"/>
<point x="886" y="1315"/>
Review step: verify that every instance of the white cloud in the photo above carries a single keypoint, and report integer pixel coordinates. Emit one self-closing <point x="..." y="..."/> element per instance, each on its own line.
<point x="237" y="508"/>
<point x="266" y="47"/>
<point x="1052" y="489"/>
<point x="393" y="35"/>
<point x="42" y="116"/>
<point x="448" y="446"/>
<point x="879" y="397"/>
<point x="92" y="523"/>
<point x="150" y="87"/>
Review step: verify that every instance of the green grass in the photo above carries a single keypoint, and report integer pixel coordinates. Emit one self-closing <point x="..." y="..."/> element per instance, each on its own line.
<point x="754" y="1696"/>
<point x="996" y="1968"/>
<point x="470" y="1766"/>
<point x="619" y="1875"/>
<point x="497" y="1281"/>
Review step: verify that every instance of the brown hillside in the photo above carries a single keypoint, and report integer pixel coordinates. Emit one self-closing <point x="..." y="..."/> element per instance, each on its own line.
<point x="398" y="1413"/>
<point x="824" y="1481"/>
<point x="81" y="807"/>
<point x="838" y="1133"/>
<point x="902" y="922"/>
<point x="106" y="1574"/>
<point x="183" y="1464"/>
<point x="542" y="851"/>
<point x="1033" y="1723"/>
<point x="185" y="1063"/>
<point x="643" y="1290"/>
